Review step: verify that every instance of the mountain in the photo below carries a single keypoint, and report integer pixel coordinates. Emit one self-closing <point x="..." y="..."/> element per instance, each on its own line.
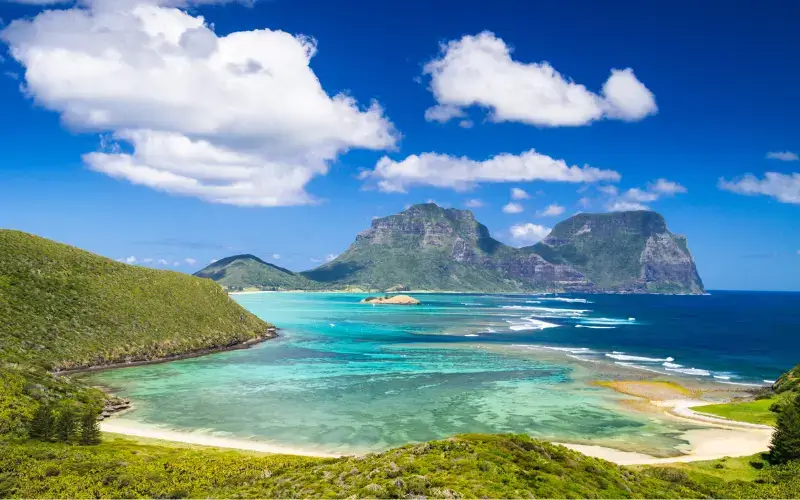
<point x="429" y="247"/>
<point x="623" y="251"/>
<point x="248" y="271"/>
<point x="63" y="308"/>
<point x="424" y="247"/>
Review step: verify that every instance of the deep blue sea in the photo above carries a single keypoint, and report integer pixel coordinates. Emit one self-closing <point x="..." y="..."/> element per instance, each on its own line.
<point x="351" y="377"/>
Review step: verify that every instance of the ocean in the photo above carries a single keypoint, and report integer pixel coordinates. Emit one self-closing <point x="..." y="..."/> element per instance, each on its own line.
<point x="346" y="377"/>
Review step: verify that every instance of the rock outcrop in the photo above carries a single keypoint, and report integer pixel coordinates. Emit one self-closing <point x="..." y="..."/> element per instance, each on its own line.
<point x="403" y="300"/>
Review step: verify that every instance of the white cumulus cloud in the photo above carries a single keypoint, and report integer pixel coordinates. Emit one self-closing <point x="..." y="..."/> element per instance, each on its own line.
<point x="162" y="262"/>
<point x="783" y="187"/>
<point x="474" y="203"/>
<point x="444" y="171"/>
<point x="529" y="233"/>
<point x="239" y="118"/>
<point x="478" y="70"/>
<point x="190" y="261"/>
<point x="635" y="198"/>
<point x="276" y="256"/>
<point x="331" y="256"/>
<point x="512" y="208"/>
<point x="551" y="210"/>
<point x="782" y="155"/>
<point x="131" y="260"/>
<point x="519" y="194"/>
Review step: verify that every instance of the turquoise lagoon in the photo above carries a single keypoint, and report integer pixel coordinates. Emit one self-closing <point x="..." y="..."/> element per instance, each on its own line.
<point x="346" y="377"/>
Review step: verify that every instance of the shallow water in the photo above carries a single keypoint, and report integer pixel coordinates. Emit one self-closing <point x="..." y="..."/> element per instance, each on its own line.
<point x="350" y="377"/>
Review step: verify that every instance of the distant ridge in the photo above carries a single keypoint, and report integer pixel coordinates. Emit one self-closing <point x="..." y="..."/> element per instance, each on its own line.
<point x="245" y="271"/>
<point x="427" y="247"/>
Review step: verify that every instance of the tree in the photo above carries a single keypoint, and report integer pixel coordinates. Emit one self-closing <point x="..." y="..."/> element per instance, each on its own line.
<point x="42" y="425"/>
<point x="65" y="424"/>
<point x="785" y="444"/>
<point x="90" y="430"/>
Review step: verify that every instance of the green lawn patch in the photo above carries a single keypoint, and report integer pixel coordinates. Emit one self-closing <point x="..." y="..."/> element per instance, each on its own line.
<point x="754" y="412"/>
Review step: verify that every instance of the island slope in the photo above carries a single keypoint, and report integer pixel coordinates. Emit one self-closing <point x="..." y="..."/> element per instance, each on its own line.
<point x="65" y="308"/>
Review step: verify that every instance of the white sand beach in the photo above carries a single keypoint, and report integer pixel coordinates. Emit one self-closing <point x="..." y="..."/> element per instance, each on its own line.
<point x="128" y="428"/>
<point x="704" y="444"/>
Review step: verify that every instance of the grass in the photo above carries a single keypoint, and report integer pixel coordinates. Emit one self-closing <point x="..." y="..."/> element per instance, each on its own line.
<point x="754" y="412"/>
<point x="466" y="466"/>
<point x="471" y="466"/>
<point x="62" y="307"/>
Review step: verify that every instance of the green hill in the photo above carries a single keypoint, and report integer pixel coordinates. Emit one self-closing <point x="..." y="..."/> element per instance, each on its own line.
<point x="63" y="308"/>
<point x="248" y="271"/>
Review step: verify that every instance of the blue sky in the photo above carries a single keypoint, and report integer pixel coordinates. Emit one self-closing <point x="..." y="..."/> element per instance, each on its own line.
<point x="139" y="130"/>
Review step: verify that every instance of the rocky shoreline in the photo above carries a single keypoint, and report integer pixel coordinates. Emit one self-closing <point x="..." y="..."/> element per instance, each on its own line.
<point x="271" y="333"/>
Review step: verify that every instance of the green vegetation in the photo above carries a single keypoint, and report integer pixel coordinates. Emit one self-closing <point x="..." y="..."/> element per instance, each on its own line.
<point x="785" y="444"/>
<point x="767" y="404"/>
<point x="64" y="308"/>
<point x="754" y="412"/>
<point x="788" y="382"/>
<point x="241" y="272"/>
<point x="472" y="466"/>
<point x="465" y="466"/>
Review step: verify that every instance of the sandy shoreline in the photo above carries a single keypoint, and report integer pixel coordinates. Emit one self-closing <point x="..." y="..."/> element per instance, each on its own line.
<point x="117" y="426"/>
<point x="718" y="440"/>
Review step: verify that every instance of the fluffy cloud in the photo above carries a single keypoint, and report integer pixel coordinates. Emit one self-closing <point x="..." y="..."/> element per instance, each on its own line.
<point x="331" y="256"/>
<point x="474" y="203"/>
<point x="162" y="262"/>
<point x="131" y="260"/>
<point x="276" y="256"/>
<point x="783" y="187"/>
<point x="624" y="206"/>
<point x="444" y="171"/>
<point x="665" y="187"/>
<point x="513" y="208"/>
<point x="782" y="155"/>
<point x="635" y="198"/>
<point x="147" y="260"/>
<point x="478" y="70"/>
<point x="519" y="194"/>
<point x="551" y="210"/>
<point x="239" y="119"/>
<point x="529" y="233"/>
<point x="190" y="261"/>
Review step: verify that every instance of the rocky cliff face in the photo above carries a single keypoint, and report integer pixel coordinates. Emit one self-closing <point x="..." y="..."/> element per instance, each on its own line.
<point x="624" y="251"/>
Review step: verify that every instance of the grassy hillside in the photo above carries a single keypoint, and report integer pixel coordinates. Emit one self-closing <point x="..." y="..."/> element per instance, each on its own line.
<point x="468" y="466"/>
<point x="62" y="307"/>
<point x="248" y="271"/>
